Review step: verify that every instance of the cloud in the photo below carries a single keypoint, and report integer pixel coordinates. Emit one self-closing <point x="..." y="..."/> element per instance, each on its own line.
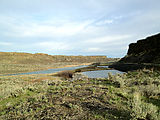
<point x="107" y="39"/>
<point x="38" y="29"/>
<point x="78" y="27"/>
<point x="104" y="22"/>
<point x="52" y="46"/>
<point x="6" y="43"/>
<point x="94" y="50"/>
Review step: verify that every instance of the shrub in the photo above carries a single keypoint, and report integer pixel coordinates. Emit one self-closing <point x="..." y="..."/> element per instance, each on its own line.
<point x="65" y="74"/>
<point x="117" y="80"/>
<point x="141" y="110"/>
<point x="150" y="90"/>
<point x="78" y="70"/>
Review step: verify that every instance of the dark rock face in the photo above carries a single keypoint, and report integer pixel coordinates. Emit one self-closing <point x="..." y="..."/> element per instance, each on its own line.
<point x="143" y="54"/>
<point x="144" y="51"/>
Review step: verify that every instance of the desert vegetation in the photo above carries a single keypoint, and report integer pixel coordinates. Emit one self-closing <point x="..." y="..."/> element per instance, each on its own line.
<point x="69" y="95"/>
<point x="65" y="74"/>
<point x="133" y="95"/>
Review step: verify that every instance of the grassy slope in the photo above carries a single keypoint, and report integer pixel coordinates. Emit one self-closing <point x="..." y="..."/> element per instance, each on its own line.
<point x="135" y="95"/>
<point x="23" y="62"/>
<point x="11" y="62"/>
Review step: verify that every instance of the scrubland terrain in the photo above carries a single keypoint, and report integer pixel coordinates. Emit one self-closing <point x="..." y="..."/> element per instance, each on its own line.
<point x="134" y="95"/>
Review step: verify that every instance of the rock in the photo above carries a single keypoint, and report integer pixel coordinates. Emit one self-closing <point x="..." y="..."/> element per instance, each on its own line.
<point x="143" y="54"/>
<point x="144" y="51"/>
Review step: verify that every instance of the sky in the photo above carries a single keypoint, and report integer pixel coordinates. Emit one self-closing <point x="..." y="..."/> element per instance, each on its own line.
<point x="76" y="27"/>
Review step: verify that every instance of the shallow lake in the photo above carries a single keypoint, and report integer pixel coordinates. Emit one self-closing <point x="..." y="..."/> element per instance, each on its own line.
<point x="101" y="73"/>
<point x="90" y="74"/>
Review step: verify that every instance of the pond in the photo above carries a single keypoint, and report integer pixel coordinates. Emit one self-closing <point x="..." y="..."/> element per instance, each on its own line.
<point x="101" y="73"/>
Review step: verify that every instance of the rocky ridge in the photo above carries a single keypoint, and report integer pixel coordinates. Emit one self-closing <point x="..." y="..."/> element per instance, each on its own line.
<point x="144" y="51"/>
<point x="143" y="54"/>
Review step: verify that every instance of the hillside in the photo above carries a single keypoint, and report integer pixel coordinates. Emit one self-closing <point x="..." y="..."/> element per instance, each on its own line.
<point x="12" y="62"/>
<point x="40" y="58"/>
<point x="144" y="51"/>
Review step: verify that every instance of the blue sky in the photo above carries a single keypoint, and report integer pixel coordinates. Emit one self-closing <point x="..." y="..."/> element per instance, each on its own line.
<point x="76" y="27"/>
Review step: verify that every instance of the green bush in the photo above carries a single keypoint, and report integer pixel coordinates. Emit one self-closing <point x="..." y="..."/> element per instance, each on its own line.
<point x="142" y="110"/>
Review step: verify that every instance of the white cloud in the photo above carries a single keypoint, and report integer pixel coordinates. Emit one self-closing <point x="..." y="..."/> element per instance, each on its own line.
<point x="105" y="22"/>
<point x="5" y="43"/>
<point x="107" y="39"/>
<point x="39" y="29"/>
<point x="94" y="49"/>
<point x="54" y="46"/>
<point x="102" y="26"/>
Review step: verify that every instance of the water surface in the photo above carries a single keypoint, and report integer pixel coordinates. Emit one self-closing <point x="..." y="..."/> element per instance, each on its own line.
<point x="102" y="66"/>
<point x="90" y="74"/>
<point x="49" y="70"/>
<point x="101" y="73"/>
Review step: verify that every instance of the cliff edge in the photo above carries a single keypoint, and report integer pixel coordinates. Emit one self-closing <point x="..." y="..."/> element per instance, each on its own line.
<point x="144" y="51"/>
<point x="143" y="54"/>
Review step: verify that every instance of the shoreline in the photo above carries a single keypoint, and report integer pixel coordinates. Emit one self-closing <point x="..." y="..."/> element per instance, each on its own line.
<point x="74" y="65"/>
<point x="125" y="67"/>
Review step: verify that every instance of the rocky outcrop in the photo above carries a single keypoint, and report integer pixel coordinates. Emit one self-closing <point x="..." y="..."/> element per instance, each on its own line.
<point x="144" y="51"/>
<point x="143" y="54"/>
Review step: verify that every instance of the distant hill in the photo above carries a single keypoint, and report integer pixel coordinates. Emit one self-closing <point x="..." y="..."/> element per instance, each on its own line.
<point x="12" y="62"/>
<point x="40" y="58"/>
<point x="144" y="51"/>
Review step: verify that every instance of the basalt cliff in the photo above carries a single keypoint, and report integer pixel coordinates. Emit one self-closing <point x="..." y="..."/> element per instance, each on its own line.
<point x="144" y="51"/>
<point x="143" y="54"/>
